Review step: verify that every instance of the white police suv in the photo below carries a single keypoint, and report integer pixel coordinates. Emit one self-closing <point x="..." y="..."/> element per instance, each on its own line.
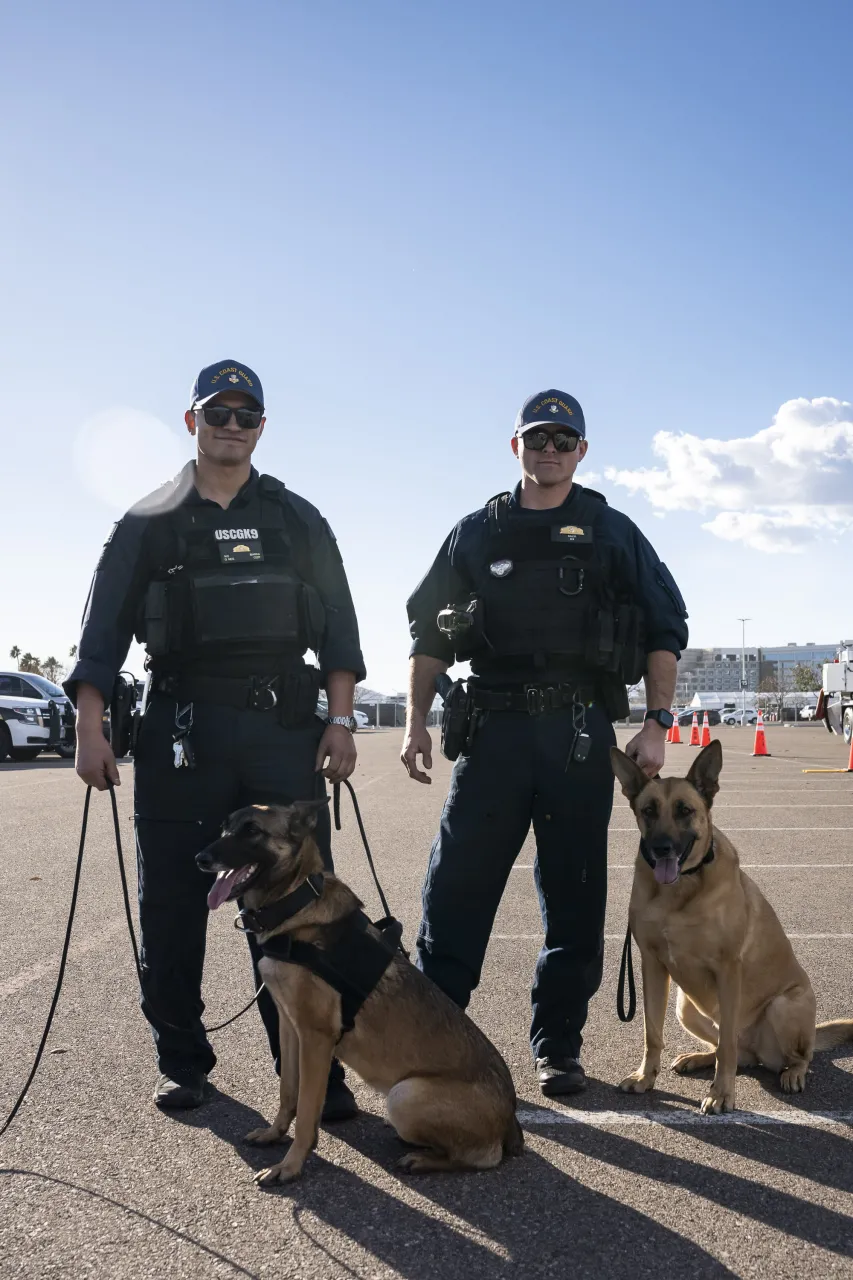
<point x="35" y="715"/>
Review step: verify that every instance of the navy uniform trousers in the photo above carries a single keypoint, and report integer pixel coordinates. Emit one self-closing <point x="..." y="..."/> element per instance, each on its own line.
<point x="517" y="774"/>
<point x="242" y="757"/>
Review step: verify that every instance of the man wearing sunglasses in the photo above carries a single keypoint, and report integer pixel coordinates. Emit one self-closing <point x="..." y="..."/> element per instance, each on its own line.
<point x="557" y="601"/>
<point x="228" y="579"/>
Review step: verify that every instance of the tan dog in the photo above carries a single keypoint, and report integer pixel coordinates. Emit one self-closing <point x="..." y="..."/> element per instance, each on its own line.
<point x="447" y="1088"/>
<point x="700" y="921"/>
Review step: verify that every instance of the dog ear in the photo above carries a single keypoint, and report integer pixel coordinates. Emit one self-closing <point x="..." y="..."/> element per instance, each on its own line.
<point x="705" y="771"/>
<point x="628" y="772"/>
<point x="303" y="816"/>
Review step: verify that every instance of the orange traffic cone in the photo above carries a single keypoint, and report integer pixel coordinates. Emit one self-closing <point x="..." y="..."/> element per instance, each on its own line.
<point x="706" y="732"/>
<point x="760" y="748"/>
<point x="675" y="733"/>
<point x="694" y="733"/>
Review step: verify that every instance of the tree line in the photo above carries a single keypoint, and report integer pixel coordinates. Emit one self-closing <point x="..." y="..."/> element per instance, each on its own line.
<point x="51" y="668"/>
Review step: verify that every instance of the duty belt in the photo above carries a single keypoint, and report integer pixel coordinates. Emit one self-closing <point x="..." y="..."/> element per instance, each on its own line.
<point x="535" y="699"/>
<point x="252" y="693"/>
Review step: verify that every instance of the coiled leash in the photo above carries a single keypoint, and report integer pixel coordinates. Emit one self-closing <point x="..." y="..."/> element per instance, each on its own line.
<point x="220" y="1026"/>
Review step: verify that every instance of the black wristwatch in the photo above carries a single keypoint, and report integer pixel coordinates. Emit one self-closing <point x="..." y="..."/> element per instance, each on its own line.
<point x="664" y="718"/>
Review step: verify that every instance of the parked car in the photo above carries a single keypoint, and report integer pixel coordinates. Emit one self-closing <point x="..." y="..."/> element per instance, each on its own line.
<point x="28" y="724"/>
<point x="807" y="713"/>
<point x="740" y="717"/>
<point x="362" y="719"/>
<point x="686" y="716"/>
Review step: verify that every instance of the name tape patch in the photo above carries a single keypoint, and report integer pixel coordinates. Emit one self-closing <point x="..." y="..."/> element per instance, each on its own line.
<point x="244" y="549"/>
<point x="571" y="533"/>
<point x="234" y="535"/>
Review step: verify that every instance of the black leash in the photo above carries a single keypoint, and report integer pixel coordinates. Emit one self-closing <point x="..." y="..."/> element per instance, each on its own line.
<point x="55" y="1000"/>
<point x="626" y="967"/>
<point x="129" y="918"/>
<point x="336" y="793"/>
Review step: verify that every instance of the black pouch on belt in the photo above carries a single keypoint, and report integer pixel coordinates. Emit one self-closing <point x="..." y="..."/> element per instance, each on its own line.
<point x="297" y="697"/>
<point x="456" y="720"/>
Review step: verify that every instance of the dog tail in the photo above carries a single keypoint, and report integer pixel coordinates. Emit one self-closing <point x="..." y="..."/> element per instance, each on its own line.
<point x="513" y="1139"/>
<point x="830" y="1034"/>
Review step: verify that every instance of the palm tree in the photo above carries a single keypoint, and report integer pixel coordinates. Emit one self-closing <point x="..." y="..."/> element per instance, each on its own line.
<point x="15" y="652"/>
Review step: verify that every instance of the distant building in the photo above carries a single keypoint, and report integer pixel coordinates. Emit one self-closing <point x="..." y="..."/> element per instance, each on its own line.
<point x="781" y="660"/>
<point x="714" y="671"/>
<point x="718" y="671"/>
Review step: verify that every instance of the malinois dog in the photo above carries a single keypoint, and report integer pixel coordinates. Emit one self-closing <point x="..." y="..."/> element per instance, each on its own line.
<point x="700" y="921"/>
<point x="448" y="1090"/>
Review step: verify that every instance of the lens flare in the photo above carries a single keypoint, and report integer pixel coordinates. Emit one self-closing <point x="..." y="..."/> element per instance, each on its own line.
<point x="122" y="454"/>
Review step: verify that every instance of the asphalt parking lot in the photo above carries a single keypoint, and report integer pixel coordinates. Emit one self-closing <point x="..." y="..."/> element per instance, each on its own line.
<point x="94" y="1181"/>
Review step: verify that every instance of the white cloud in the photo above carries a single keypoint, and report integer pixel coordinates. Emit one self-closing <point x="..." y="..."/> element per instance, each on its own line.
<point x="778" y="490"/>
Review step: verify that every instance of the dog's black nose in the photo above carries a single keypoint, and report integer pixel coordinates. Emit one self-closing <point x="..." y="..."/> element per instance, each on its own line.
<point x="663" y="848"/>
<point x="203" y="860"/>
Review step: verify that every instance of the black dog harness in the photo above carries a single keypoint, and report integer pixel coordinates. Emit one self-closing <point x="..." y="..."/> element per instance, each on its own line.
<point x="626" y="968"/>
<point x="352" y="963"/>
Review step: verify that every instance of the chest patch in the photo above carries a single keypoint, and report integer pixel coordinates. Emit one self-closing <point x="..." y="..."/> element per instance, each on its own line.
<point x="571" y="533"/>
<point x="500" y="568"/>
<point x="233" y="550"/>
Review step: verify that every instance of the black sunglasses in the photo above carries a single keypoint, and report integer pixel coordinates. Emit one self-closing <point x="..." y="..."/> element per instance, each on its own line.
<point x="217" y="415"/>
<point x="536" y="439"/>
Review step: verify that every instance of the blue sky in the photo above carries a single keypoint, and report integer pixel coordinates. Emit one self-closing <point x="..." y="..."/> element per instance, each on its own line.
<point x="406" y="219"/>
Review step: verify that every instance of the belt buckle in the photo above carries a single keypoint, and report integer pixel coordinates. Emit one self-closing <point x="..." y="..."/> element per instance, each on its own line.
<point x="262" y="696"/>
<point x="535" y="700"/>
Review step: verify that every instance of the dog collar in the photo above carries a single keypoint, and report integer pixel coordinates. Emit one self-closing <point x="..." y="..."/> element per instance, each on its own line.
<point x="271" y="916"/>
<point x="709" y="857"/>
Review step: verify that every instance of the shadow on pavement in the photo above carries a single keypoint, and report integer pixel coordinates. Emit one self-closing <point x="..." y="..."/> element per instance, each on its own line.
<point x="183" y="1236"/>
<point x="802" y="1152"/>
<point x="525" y="1218"/>
<point x="38" y="765"/>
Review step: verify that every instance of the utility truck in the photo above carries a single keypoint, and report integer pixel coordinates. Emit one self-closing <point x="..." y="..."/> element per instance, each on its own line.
<point x="835" y="705"/>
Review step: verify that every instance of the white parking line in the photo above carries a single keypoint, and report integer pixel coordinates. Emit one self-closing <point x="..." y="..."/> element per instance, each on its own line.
<point x="620" y="937"/>
<point x="745" y="866"/>
<point x="676" y="1118"/>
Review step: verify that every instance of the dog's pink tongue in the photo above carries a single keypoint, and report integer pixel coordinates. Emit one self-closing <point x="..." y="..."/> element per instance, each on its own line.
<point x="222" y="886"/>
<point x="666" y="870"/>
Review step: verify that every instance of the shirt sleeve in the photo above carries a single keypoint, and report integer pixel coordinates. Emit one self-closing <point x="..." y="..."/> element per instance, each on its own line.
<point x="442" y="585"/>
<point x="112" y="608"/>
<point x="653" y="588"/>
<point x="340" y="649"/>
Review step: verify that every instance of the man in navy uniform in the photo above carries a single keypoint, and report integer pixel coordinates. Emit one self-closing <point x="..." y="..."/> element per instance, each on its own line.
<point x="228" y="578"/>
<point x="557" y="601"/>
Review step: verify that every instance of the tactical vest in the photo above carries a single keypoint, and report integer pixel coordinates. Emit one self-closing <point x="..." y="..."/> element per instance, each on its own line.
<point x="237" y="581"/>
<point x="544" y="597"/>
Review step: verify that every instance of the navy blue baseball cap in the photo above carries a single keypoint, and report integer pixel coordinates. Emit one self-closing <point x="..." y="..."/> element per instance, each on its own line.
<point x="226" y="375"/>
<point x="551" y="409"/>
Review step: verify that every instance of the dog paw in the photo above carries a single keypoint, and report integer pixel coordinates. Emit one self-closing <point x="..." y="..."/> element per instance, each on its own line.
<point x="264" y="1137"/>
<point x="793" y="1079"/>
<point x="639" y="1082"/>
<point x="421" y="1162"/>
<point x="277" y="1173"/>
<point x="687" y="1062"/>
<point x="716" y="1103"/>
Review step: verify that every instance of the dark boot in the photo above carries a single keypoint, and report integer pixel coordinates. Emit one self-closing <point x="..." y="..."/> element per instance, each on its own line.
<point x="558" y="1076"/>
<point x="340" y="1103"/>
<point x="180" y="1090"/>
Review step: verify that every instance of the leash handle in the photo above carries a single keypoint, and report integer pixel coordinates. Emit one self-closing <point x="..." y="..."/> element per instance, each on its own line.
<point x="336" y="793"/>
<point x="626" y="968"/>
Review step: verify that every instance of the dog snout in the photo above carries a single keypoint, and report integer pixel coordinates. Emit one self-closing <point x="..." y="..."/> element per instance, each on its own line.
<point x="662" y="847"/>
<point x="205" y="860"/>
